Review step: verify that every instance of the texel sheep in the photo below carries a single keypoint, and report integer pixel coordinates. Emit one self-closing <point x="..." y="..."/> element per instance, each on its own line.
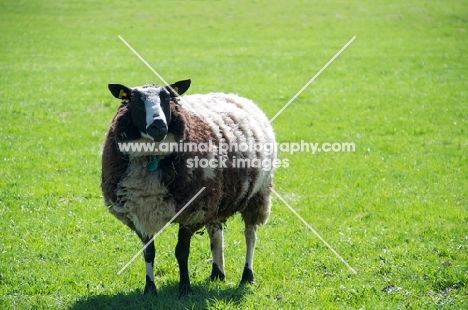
<point x="146" y="189"/>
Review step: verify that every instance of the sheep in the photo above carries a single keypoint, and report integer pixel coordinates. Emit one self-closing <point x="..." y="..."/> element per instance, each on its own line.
<point x="144" y="190"/>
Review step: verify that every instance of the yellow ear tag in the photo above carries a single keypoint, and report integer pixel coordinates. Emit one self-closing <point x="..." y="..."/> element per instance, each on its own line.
<point x="176" y="89"/>
<point x="122" y="94"/>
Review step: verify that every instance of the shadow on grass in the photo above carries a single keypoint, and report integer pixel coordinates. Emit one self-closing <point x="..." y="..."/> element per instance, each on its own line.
<point x="166" y="299"/>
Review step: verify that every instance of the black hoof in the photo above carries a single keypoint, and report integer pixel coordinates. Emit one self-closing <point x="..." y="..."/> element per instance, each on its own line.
<point x="216" y="274"/>
<point x="150" y="289"/>
<point x="247" y="276"/>
<point x="185" y="290"/>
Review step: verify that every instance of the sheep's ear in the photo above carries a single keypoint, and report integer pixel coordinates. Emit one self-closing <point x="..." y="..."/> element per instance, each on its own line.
<point x="120" y="91"/>
<point x="179" y="87"/>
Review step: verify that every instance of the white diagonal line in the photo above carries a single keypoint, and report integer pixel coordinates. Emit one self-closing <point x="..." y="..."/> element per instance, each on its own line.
<point x="161" y="230"/>
<point x="315" y="233"/>
<point x="155" y="72"/>
<point x="312" y="79"/>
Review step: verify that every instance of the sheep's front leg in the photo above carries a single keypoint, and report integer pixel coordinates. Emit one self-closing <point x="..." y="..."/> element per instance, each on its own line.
<point x="250" y="238"/>
<point x="149" y="252"/>
<point x="215" y="231"/>
<point x="182" y="252"/>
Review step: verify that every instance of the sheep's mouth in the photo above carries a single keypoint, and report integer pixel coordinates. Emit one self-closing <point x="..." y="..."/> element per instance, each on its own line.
<point x="157" y="131"/>
<point x="155" y="138"/>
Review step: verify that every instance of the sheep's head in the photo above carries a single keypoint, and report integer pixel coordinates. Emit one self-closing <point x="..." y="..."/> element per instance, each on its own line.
<point x="149" y="106"/>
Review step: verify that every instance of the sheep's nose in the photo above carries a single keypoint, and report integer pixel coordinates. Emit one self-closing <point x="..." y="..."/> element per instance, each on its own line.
<point x="157" y="130"/>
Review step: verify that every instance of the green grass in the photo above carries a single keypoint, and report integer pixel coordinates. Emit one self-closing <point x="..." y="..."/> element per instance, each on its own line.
<point x="396" y="209"/>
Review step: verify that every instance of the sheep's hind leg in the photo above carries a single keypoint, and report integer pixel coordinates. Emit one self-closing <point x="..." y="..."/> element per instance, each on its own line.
<point x="250" y="238"/>
<point x="182" y="254"/>
<point x="149" y="252"/>
<point x="215" y="231"/>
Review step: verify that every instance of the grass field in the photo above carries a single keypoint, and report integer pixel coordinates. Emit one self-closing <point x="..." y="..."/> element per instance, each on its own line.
<point x="396" y="209"/>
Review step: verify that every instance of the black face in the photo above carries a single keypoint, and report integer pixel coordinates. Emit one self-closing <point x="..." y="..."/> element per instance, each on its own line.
<point x="150" y="111"/>
<point x="165" y="98"/>
<point x="138" y="110"/>
<point x="150" y="106"/>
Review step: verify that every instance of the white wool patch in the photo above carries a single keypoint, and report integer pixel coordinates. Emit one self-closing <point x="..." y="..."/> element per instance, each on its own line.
<point x="142" y="193"/>
<point x="237" y="120"/>
<point x="209" y="172"/>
